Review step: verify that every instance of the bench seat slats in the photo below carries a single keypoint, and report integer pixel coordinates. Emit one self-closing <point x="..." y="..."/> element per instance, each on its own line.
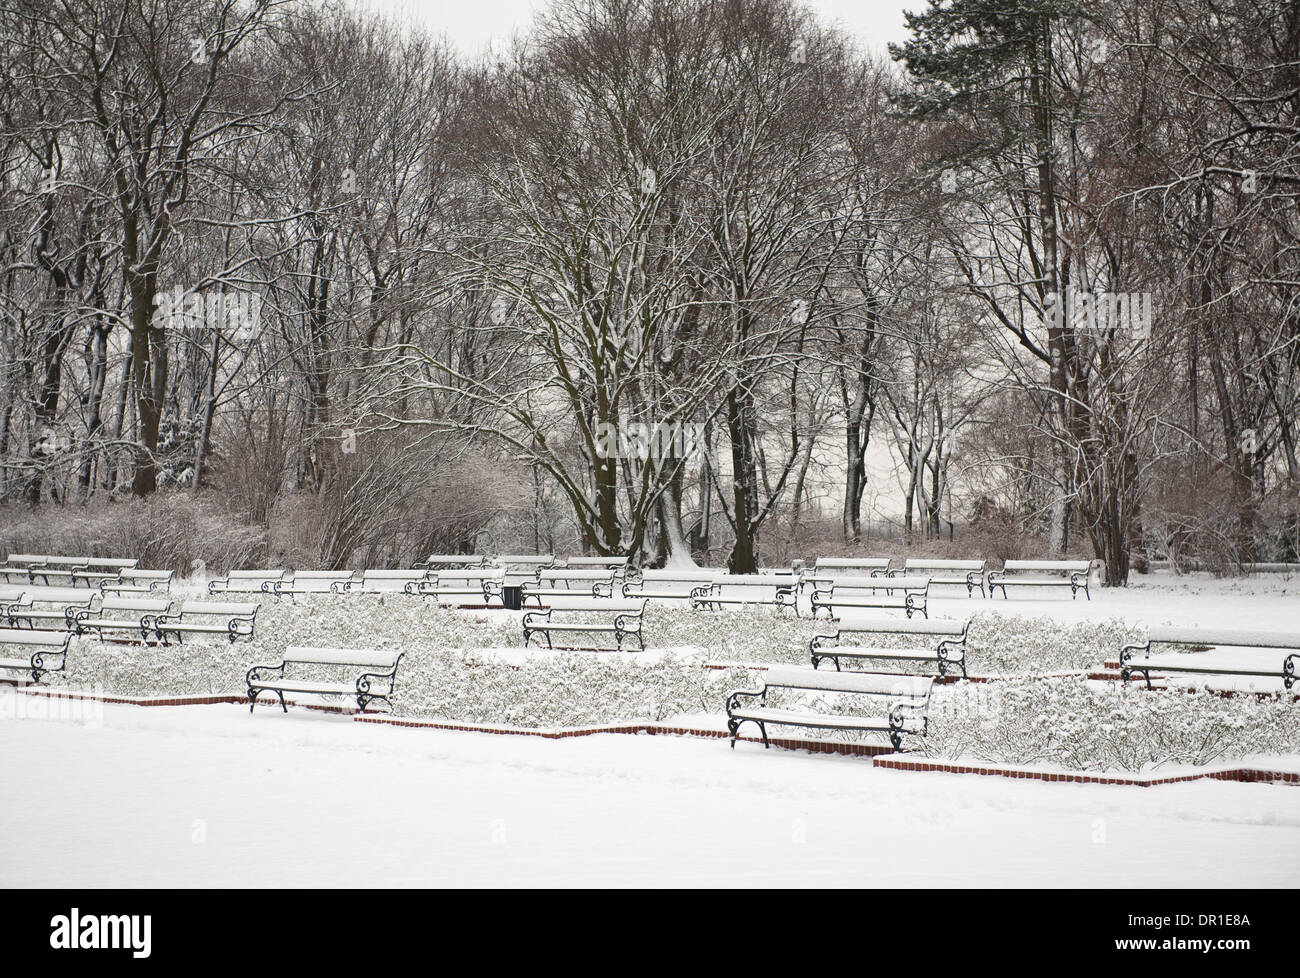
<point x="829" y="721"/>
<point x="794" y="677"/>
<point x="304" y="686"/>
<point x="29" y="636"/>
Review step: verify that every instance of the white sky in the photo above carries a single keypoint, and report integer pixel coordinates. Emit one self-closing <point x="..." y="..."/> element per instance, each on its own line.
<point x="472" y="24"/>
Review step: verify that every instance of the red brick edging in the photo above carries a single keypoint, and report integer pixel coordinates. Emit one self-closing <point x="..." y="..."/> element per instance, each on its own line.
<point x="882" y="756"/>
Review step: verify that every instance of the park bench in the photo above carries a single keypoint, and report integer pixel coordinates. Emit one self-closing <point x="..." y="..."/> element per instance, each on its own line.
<point x="114" y="613"/>
<point x="31" y="651"/>
<point x="234" y="619"/>
<point x="65" y="570"/>
<point x="313" y="582"/>
<point x="949" y="650"/>
<point x="667" y="583"/>
<point x="1042" y="573"/>
<point x="468" y="587"/>
<point x="779" y="590"/>
<point x="898" y="704"/>
<point x="248" y="581"/>
<point x="438" y="561"/>
<point x="1287" y="644"/>
<point x="367" y="674"/>
<point x="620" y="618"/>
<point x="134" y="581"/>
<point x="909" y="594"/>
<point x="14" y="602"/>
<point x="557" y="582"/>
<point x="401" y="581"/>
<point x="852" y="566"/>
<point x="962" y="573"/>
<point x="51" y="606"/>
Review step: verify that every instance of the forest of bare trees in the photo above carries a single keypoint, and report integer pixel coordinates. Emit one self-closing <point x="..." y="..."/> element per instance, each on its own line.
<point x="685" y="279"/>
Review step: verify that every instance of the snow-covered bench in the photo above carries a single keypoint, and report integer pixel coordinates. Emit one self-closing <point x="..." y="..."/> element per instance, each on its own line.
<point x="553" y="582"/>
<point x="51" y="568"/>
<point x="133" y="580"/>
<point x="115" y="613"/>
<point x="620" y="618"/>
<point x="468" y="587"/>
<point x="234" y="619"/>
<point x="667" y="584"/>
<point x="949" y="650"/>
<point x="248" y="581"/>
<point x="963" y="573"/>
<point x="50" y="607"/>
<point x="779" y="590"/>
<point x="1287" y="644"/>
<point x="400" y="581"/>
<point x="851" y="566"/>
<point x="909" y="594"/>
<point x="898" y="704"/>
<point x="30" y="651"/>
<point x="313" y="582"/>
<point x="1042" y="573"/>
<point x="367" y="674"/>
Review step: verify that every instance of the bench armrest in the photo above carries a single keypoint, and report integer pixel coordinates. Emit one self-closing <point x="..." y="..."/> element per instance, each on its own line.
<point x="1126" y="653"/>
<point x="733" y="698"/>
<point x="255" y="673"/>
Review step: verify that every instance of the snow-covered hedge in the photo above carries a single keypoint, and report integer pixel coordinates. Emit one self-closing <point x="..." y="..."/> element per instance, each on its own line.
<point x="1097" y="726"/>
<point x="469" y="666"/>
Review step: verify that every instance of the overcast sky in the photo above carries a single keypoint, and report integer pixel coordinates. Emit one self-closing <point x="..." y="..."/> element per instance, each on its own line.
<point x="472" y="24"/>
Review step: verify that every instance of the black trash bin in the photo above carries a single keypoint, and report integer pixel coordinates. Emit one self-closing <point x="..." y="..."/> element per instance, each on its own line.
<point x="512" y="596"/>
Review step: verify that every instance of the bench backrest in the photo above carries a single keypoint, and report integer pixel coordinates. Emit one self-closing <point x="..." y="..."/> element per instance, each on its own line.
<point x="852" y="563"/>
<point x="375" y="576"/>
<point x="276" y="574"/>
<point x="907" y="626"/>
<point x="560" y="574"/>
<point x="1193" y="635"/>
<point x="466" y="560"/>
<point x="524" y="560"/>
<point x="371" y="658"/>
<point x="60" y="595"/>
<point x="343" y="575"/>
<point x="874" y="583"/>
<point x="475" y="574"/>
<point x="31" y="636"/>
<point x="154" y="605"/>
<point x="12" y="593"/>
<point x="49" y="560"/>
<point x="698" y="575"/>
<point x="927" y="563"/>
<point x="135" y="574"/>
<point x="910" y="688"/>
<point x="109" y="563"/>
<point x="1047" y="566"/>
<point x="233" y="608"/>
<point x="618" y="606"/>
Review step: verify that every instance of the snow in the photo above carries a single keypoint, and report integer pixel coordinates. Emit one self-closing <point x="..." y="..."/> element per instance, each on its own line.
<point x="211" y="796"/>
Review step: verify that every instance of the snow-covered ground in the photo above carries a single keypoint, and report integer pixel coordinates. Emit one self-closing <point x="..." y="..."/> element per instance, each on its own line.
<point x="211" y="796"/>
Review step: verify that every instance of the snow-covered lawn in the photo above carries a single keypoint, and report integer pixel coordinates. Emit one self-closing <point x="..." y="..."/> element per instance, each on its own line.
<point x="211" y="796"/>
